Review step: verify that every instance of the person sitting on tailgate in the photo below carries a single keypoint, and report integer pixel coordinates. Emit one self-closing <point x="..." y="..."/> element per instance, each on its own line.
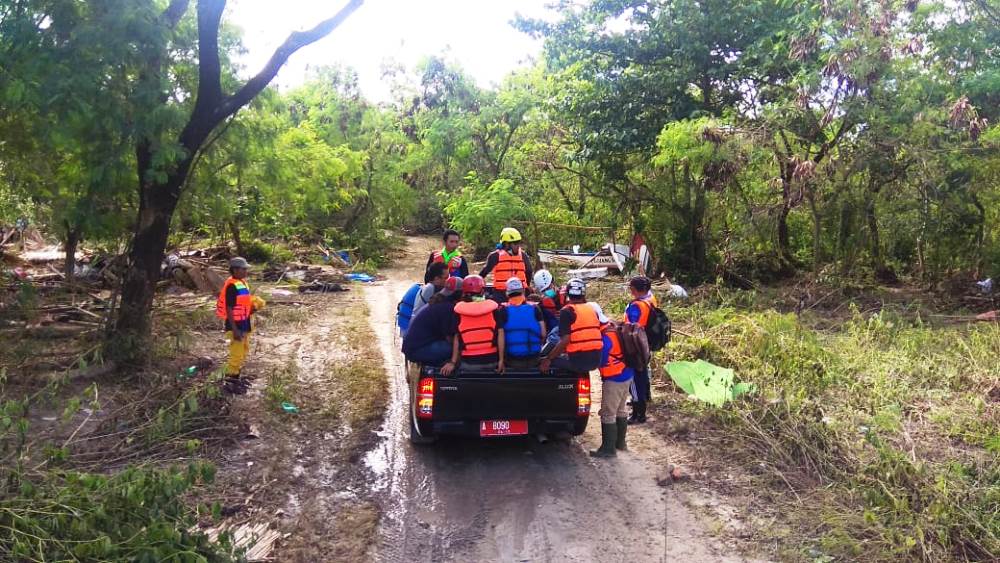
<point x="579" y="334"/>
<point x="477" y="340"/>
<point x="522" y="328"/>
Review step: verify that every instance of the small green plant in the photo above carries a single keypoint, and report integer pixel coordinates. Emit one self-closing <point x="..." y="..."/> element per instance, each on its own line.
<point x="279" y="387"/>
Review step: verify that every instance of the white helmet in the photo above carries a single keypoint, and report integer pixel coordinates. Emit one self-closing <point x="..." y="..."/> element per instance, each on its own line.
<point x="541" y="280"/>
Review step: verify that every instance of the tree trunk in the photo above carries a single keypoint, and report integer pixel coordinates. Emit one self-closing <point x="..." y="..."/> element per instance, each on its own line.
<point x="784" y="239"/>
<point x="980" y="235"/>
<point x="817" y="230"/>
<point x="844" y="254"/>
<point x="699" y="244"/>
<point x="234" y="227"/>
<point x="874" y="242"/>
<point x="72" y="242"/>
<point x="156" y="207"/>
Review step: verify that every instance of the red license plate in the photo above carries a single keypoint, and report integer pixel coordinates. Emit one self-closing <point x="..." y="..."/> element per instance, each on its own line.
<point x="503" y="427"/>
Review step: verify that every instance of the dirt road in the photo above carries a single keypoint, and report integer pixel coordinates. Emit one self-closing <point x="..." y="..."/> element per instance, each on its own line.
<point x="517" y="499"/>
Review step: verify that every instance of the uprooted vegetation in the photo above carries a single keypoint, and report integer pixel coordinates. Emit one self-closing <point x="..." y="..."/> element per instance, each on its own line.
<point x="871" y="437"/>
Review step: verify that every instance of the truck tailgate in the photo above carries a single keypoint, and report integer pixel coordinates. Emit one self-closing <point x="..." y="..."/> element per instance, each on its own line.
<point x="504" y="397"/>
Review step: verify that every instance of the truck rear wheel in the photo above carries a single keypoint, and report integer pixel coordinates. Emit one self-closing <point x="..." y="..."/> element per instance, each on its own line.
<point x="418" y="440"/>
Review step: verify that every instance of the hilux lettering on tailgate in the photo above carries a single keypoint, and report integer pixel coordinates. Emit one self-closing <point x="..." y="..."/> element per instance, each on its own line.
<point x="561" y="387"/>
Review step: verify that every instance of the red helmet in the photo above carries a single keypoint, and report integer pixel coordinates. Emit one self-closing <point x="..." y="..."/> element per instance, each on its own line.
<point x="473" y="285"/>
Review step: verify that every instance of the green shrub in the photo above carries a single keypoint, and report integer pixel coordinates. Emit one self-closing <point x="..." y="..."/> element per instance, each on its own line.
<point x="266" y="253"/>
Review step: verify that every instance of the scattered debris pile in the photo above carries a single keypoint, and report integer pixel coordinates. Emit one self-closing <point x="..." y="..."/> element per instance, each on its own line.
<point x="193" y="271"/>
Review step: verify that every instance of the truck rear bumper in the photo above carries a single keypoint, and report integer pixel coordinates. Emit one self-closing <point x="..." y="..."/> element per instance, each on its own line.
<point x="575" y="426"/>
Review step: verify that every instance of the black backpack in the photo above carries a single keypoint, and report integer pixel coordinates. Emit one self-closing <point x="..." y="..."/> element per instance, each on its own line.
<point x="658" y="329"/>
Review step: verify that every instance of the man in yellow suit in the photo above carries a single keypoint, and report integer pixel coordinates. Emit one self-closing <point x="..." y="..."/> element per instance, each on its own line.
<point x="236" y="306"/>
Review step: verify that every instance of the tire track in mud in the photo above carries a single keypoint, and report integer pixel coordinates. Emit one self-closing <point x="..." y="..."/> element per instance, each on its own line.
<point x="516" y="499"/>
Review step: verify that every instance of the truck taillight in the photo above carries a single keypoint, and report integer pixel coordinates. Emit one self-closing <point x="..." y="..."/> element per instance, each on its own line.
<point x="583" y="396"/>
<point x="425" y="398"/>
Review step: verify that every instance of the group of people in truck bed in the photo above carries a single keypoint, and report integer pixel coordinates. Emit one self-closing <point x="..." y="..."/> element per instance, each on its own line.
<point x="454" y="320"/>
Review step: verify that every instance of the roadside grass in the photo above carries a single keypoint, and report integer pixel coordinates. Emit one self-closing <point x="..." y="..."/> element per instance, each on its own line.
<point x="879" y="436"/>
<point x="362" y="375"/>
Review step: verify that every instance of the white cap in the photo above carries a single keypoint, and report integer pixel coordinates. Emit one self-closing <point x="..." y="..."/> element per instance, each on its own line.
<point x="514" y="285"/>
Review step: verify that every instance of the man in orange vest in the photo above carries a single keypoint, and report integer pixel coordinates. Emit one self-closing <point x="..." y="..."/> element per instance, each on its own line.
<point x="451" y="255"/>
<point x="616" y="378"/>
<point x="579" y="334"/>
<point x="639" y="311"/>
<point x="477" y="340"/>
<point x="508" y="261"/>
<point x="236" y="306"/>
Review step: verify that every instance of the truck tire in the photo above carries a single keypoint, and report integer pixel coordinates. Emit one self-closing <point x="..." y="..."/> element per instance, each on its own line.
<point x="580" y="427"/>
<point x="418" y="440"/>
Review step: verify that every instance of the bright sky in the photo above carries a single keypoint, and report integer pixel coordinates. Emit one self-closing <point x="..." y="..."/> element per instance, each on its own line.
<point x="475" y="33"/>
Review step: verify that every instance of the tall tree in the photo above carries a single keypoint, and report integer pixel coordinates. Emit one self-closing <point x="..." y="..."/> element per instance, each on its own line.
<point x="164" y="159"/>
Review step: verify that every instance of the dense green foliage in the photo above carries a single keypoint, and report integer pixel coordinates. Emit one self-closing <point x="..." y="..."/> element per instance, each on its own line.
<point x="752" y="138"/>
<point x="883" y="433"/>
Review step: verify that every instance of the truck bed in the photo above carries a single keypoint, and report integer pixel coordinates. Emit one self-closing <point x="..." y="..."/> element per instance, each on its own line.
<point x="464" y="401"/>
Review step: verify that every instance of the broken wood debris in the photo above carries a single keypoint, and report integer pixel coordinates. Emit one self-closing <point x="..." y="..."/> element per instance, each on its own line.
<point x="257" y="538"/>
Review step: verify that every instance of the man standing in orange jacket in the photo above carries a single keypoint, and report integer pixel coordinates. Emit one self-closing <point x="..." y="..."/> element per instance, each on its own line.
<point x="236" y="306"/>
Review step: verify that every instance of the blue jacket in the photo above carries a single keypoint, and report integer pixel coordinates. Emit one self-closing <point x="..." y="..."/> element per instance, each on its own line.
<point x="522" y="333"/>
<point x="404" y="310"/>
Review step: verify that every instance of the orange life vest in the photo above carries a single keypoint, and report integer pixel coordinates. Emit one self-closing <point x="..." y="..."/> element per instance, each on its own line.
<point x="645" y="309"/>
<point x="585" y="332"/>
<point x="477" y="328"/>
<point x="509" y="266"/>
<point x="616" y="358"/>
<point x="244" y="301"/>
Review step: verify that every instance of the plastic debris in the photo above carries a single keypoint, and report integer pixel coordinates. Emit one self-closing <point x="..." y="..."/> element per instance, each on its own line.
<point x="187" y="372"/>
<point x="289" y="408"/>
<point x="986" y="286"/>
<point x="588" y="273"/>
<point x="707" y="382"/>
<point x="281" y="292"/>
<point x="677" y="292"/>
<point x="365" y="278"/>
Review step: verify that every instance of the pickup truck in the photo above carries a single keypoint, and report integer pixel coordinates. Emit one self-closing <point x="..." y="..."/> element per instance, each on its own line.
<point x="477" y="401"/>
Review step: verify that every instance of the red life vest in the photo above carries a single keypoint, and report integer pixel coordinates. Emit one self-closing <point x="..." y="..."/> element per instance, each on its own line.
<point x="244" y="301"/>
<point x="477" y="328"/>
<point x="509" y="266"/>
<point x="616" y="358"/>
<point x="585" y="332"/>
<point x="552" y="304"/>
<point x="454" y="265"/>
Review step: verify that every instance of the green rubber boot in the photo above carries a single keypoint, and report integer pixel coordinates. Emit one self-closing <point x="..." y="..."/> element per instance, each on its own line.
<point x="609" y="433"/>
<point x="621" y="425"/>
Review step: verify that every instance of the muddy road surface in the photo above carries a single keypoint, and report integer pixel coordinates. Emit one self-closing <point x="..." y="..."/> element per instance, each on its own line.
<point x="516" y="499"/>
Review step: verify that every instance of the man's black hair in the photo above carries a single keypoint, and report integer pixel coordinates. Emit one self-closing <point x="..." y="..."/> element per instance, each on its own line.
<point x="640" y="283"/>
<point x="435" y="270"/>
<point x="450" y="232"/>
